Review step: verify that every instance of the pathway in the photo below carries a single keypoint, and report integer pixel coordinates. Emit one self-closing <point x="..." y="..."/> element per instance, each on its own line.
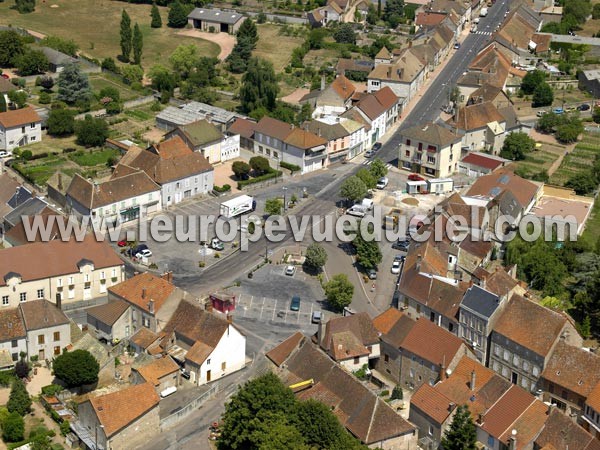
<point x="550" y="139"/>
<point x="224" y="40"/>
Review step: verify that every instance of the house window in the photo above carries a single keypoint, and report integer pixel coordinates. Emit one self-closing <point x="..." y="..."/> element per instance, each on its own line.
<point x="150" y="197"/>
<point x="505" y="371"/>
<point x="56" y="336"/>
<point x="524" y="382"/>
<point x="146" y="321"/>
<point x="536" y="371"/>
<point x="114" y="273"/>
<point x="70" y="280"/>
<point x="407" y="153"/>
<point x="356" y="360"/>
<point x="420" y="146"/>
<point x="208" y="362"/>
<point x="431" y="382"/>
<point x="14" y="343"/>
<point x="15" y="356"/>
<point x="40" y="293"/>
<point x="22" y="129"/>
<point x="275" y="155"/>
<point x="386" y="357"/>
<point x="32" y="138"/>
<point x="506" y="355"/>
<point x="87" y="277"/>
<point x="177" y="185"/>
<point x="41" y="339"/>
<point x="23" y="296"/>
<point x="59" y="282"/>
<point x="515" y="360"/>
<point x="57" y="350"/>
<point x="223" y="366"/>
<point x="408" y="142"/>
<point x="32" y="125"/>
<point x="525" y="366"/>
<point x="412" y="373"/>
<point x="102" y="275"/>
<point x="4" y="300"/>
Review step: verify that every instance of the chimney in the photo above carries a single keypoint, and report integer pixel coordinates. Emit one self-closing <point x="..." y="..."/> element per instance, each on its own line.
<point x="168" y="276"/>
<point x="151" y="306"/>
<point x="442" y="371"/>
<point x="320" y="331"/>
<point x="322" y="82"/>
<point x="451" y="406"/>
<point x="480" y="419"/>
<point x="58" y="301"/>
<point x="473" y="378"/>
<point x="229" y="318"/>
<point x="418" y="265"/>
<point x="143" y="292"/>
<point x="482" y="282"/>
<point x="60" y="185"/>
<point x="512" y="440"/>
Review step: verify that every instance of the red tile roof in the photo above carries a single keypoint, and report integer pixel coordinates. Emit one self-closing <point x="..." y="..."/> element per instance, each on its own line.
<point x="386" y="320"/>
<point x="280" y="353"/>
<point x="19" y="117"/>
<point x="502" y="179"/>
<point x="432" y="343"/>
<point x="157" y="369"/>
<point x="141" y="289"/>
<point x="343" y="87"/>
<point x="273" y="127"/>
<point x="573" y="368"/>
<point x="243" y="127"/>
<point x="528" y="425"/>
<point x="482" y="161"/>
<point x="432" y="402"/>
<point x="562" y="433"/>
<point x="429" y="18"/>
<point x="498" y="420"/>
<point x="303" y="139"/>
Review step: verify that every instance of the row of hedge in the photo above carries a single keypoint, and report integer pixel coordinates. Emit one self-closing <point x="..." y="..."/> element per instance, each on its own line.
<point x="291" y="167"/>
<point x="272" y="173"/>
<point x="221" y="189"/>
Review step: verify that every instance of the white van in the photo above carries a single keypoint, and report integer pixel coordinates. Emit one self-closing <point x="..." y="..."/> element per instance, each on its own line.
<point x="168" y="391"/>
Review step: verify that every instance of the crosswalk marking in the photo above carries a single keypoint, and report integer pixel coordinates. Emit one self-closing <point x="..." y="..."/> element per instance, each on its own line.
<point x="485" y="33"/>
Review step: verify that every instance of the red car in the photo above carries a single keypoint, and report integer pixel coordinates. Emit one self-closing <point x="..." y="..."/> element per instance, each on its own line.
<point x="123" y="243"/>
<point x="415" y="177"/>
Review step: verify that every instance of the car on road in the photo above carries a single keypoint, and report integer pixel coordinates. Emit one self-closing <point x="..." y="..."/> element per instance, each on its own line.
<point x="396" y="267"/>
<point x="369" y="154"/>
<point x="400" y="258"/>
<point x="316" y="317"/>
<point x="357" y="211"/>
<point x="185" y="374"/>
<point x="541" y="113"/>
<point x="146" y="253"/>
<point x="382" y="183"/>
<point x="584" y="107"/>
<point x="570" y="109"/>
<point x="401" y="244"/>
<point x="476" y="20"/>
<point x="558" y="110"/>
<point x="5" y="154"/>
<point x="138" y="250"/>
<point x="290" y="271"/>
<point x="376" y="146"/>
<point x="415" y="177"/>
<point x="216" y="244"/>
<point x="457" y="46"/>
<point x="474" y="29"/>
<point x="372" y="274"/>
<point x="295" y="304"/>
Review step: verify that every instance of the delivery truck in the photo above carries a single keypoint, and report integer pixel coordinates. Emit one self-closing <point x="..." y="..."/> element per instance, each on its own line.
<point x="236" y="206"/>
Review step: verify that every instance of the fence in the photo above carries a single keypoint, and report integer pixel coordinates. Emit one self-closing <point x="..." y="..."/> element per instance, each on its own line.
<point x="189" y="408"/>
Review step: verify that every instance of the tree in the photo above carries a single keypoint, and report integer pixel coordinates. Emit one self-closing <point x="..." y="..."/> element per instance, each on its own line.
<point x="368" y="253"/>
<point x="21" y="368"/>
<point x="316" y="37"/>
<point x="378" y="169"/>
<point x="3" y="105"/>
<point x="580" y="10"/>
<point x="582" y="183"/>
<point x="18" y="97"/>
<point x="596" y="11"/>
<point x="177" y="15"/>
<point x="339" y="291"/>
<point x="397" y="393"/>
<point x="19" y="400"/>
<point x="353" y="188"/>
<point x="125" y="36"/>
<point x="516" y="146"/>
<point x="31" y="62"/>
<point x="261" y="17"/>
<point x="241" y="169"/>
<point x="315" y="257"/>
<point x="132" y="73"/>
<point x="260" y="165"/>
<point x="61" y="122"/>
<point x="13" y="428"/>
<point x="73" y="85"/>
<point x="305" y="113"/>
<point x="155" y="15"/>
<point x="345" y="34"/>
<point x="542" y="95"/>
<point x="25" y="6"/>
<point x="596" y="112"/>
<point x="273" y="206"/>
<point x="548" y="122"/>
<point x="47" y="82"/>
<point x="366" y="177"/>
<point x="67" y="46"/>
<point x="462" y="434"/>
<point x="11" y="46"/>
<point x="184" y="58"/>
<point x="76" y="368"/>
<point x="248" y="33"/>
<point x="259" y="86"/>
<point x="532" y="80"/>
<point x="91" y="132"/>
<point x="138" y="44"/>
<point x="570" y="131"/>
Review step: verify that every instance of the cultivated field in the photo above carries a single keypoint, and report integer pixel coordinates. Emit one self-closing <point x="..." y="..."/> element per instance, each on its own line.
<point x="274" y="46"/>
<point x="539" y="160"/>
<point x="579" y="160"/>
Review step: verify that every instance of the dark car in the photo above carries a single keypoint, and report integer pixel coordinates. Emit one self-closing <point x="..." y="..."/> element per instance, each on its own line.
<point x="376" y="146"/>
<point x="295" y="304"/>
<point x="138" y="249"/>
<point x="584" y="107"/>
<point x="401" y="244"/>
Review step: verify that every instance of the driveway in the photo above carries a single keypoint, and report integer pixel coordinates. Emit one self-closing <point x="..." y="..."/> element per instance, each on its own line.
<point x="224" y="40"/>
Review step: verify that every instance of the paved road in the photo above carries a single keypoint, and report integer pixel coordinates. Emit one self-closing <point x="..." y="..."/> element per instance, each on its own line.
<point x="429" y="106"/>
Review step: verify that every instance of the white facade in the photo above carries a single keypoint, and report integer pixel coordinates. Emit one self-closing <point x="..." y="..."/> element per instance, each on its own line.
<point x="179" y="190"/>
<point x="47" y="343"/>
<point x="358" y="142"/>
<point x="14" y="347"/>
<point x="402" y="89"/>
<point x="14" y="137"/>
<point x="127" y="209"/>
<point x="228" y="356"/>
<point x="230" y="148"/>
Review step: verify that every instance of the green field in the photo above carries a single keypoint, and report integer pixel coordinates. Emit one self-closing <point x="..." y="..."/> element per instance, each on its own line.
<point x="94" y="25"/>
<point x="274" y="46"/>
<point x="89" y="158"/>
<point x="579" y="160"/>
<point x="99" y="82"/>
<point x="535" y="162"/>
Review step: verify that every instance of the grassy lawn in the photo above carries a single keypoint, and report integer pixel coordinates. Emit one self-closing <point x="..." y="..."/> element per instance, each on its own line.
<point x="100" y="81"/>
<point x="94" y="25"/>
<point x="53" y="144"/>
<point x="274" y="46"/>
<point x="138" y="114"/>
<point x="592" y="226"/>
<point x="93" y="158"/>
<point x="579" y="160"/>
<point x="40" y="170"/>
<point x="536" y="162"/>
<point x="318" y="57"/>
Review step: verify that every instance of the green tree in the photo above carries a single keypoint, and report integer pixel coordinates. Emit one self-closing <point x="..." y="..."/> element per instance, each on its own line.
<point x="570" y="131"/>
<point x="339" y="291"/>
<point x="73" y="85"/>
<point x="462" y="434"/>
<point x="315" y="257"/>
<point x="259" y="86"/>
<point x="367" y="178"/>
<point x="18" y="97"/>
<point x="353" y="188"/>
<point x="378" y="169"/>
<point x="67" y="46"/>
<point x="19" y="400"/>
<point x="132" y="73"/>
<point x="273" y="206"/>
<point x="11" y="46"/>
<point x="61" y="122"/>
<point x="582" y="184"/>
<point x="137" y="44"/>
<point x="316" y="38"/>
<point x="184" y="58"/>
<point x="25" y="6"/>
<point x="155" y="15"/>
<point x="76" y="368"/>
<point x="368" y="253"/>
<point x="248" y="33"/>
<point x="580" y="10"/>
<point x="397" y="393"/>
<point x="596" y="11"/>
<point x="125" y="36"/>
<point x="91" y="132"/>
<point x="548" y="122"/>
<point x="542" y="95"/>
<point x="260" y="165"/>
<point x="47" y="82"/>
<point x="3" y="105"/>
<point x="596" y="112"/>
<point x="110" y="92"/>
<point x="177" y="15"/>
<point x="13" y="428"/>
<point x="241" y="169"/>
<point x="344" y="34"/>
<point x="305" y="113"/>
<point x="516" y="146"/>
<point x="532" y="80"/>
<point x="31" y="62"/>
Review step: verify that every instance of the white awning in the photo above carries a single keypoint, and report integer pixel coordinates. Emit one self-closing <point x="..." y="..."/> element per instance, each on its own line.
<point x="532" y="45"/>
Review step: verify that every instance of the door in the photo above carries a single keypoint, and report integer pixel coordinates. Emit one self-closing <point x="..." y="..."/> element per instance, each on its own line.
<point x="514" y="378"/>
<point x="207" y="375"/>
<point x="41" y="355"/>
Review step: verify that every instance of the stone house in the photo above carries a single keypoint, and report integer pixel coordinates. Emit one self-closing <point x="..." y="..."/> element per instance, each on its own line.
<point x="162" y="373"/>
<point x="111" y="322"/>
<point x="48" y="329"/>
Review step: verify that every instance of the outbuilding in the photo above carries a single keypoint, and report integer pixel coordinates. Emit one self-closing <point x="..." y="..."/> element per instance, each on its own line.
<point x="215" y="20"/>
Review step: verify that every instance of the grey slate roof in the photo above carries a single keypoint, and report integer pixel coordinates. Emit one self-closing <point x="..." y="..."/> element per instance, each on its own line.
<point x="431" y="133"/>
<point x="480" y="301"/>
<point x="31" y="207"/>
<point x="21" y="195"/>
<point x="215" y="15"/>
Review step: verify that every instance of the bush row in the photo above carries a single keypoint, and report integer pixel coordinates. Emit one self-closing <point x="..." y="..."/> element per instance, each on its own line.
<point x="291" y="167"/>
<point x="220" y="189"/>
<point x="272" y="173"/>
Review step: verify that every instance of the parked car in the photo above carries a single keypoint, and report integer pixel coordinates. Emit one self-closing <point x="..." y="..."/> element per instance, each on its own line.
<point x="185" y="374"/>
<point x="5" y="154"/>
<point x="216" y="244"/>
<point x="415" y="177"/>
<point x="146" y="253"/>
<point x="138" y="250"/>
<point x="401" y="244"/>
<point x="584" y="107"/>
<point x="123" y="243"/>
<point x="558" y="110"/>
<point x="372" y="274"/>
<point x="396" y="267"/>
<point x="400" y="258"/>
<point x="474" y="29"/>
<point x="168" y="391"/>
<point x="541" y="113"/>
<point x="376" y="146"/>
<point x="316" y="317"/>
<point x="570" y="109"/>
<point x="382" y="183"/>
<point x="290" y="270"/>
<point x="295" y="304"/>
<point x="457" y="46"/>
<point x="369" y="154"/>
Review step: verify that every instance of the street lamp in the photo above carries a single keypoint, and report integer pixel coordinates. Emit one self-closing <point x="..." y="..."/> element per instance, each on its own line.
<point x="97" y="426"/>
<point x="284" y="202"/>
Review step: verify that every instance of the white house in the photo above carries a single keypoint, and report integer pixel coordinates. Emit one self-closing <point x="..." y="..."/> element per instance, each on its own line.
<point x="19" y="127"/>
<point x="378" y="110"/>
<point x="404" y="76"/>
<point x="48" y="329"/>
<point x="13" y="337"/>
<point x="119" y="198"/>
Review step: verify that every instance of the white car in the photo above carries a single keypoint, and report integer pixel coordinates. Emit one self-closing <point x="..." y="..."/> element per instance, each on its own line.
<point x="146" y="253"/>
<point x="382" y="183"/>
<point x="357" y="211"/>
<point x="396" y="267"/>
<point x="4" y="154"/>
<point x="290" y="270"/>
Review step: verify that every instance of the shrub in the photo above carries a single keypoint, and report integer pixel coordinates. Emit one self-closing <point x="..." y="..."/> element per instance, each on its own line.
<point x="13" y="428"/>
<point x="291" y="167"/>
<point x="397" y="393"/>
<point x="19" y="400"/>
<point x="26" y="155"/>
<point x="76" y="368"/>
<point x="65" y="428"/>
<point x="45" y="98"/>
<point x="384" y="393"/>
<point x="268" y="176"/>
<point x="51" y="389"/>
<point x="6" y="378"/>
<point x="220" y="189"/>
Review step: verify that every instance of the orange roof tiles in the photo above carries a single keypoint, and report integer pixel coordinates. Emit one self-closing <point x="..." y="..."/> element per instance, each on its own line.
<point x="303" y="139"/>
<point x="506" y="411"/>
<point x="280" y="353"/>
<point x="172" y="148"/>
<point x="343" y="87"/>
<point x="158" y="369"/>
<point x="432" y="402"/>
<point x="143" y="288"/>
<point x="19" y="117"/>
<point x="144" y="338"/>
<point x="573" y="368"/>
<point x="386" y="320"/>
<point x="593" y="399"/>
<point x="528" y="425"/>
<point x="431" y="342"/>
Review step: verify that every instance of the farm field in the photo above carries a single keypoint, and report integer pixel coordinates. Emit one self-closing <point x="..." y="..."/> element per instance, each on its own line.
<point x="579" y="160"/>
<point x="275" y="47"/>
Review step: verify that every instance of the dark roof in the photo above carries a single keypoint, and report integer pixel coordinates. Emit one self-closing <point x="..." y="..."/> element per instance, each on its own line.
<point x="480" y="301"/>
<point x="38" y="314"/>
<point x="6" y="86"/>
<point x="30" y="207"/>
<point x="201" y="132"/>
<point x="11" y="325"/>
<point x="21" y="195"/>
<point x="108" y="313"/>
<point x="144" y="338"/>
<point x="215" y="15"/>
<point x="431" y="133"/>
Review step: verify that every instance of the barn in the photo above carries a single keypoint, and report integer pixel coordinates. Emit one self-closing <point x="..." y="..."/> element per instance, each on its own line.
<point x="215" y="20"/>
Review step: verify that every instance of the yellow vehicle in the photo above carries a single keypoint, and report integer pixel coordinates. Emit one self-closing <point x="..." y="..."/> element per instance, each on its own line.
<point x="391" y="220"/>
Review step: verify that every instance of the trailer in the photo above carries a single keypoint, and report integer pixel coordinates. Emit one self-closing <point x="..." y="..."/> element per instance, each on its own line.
<point x="237" y="206"/>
